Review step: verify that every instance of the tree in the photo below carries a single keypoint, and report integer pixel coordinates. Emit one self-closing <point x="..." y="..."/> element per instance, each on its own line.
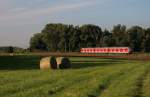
<point x="146" y="41"/>
<point x="52" y="36"/>
<point x="120" y="35"/>
<point x="75" y="39"/>
<point x="90" y="35"/>
<point x="107" y="40"/>
<point x="135" y="38"/>
<point x="69" y="38"/>
<point x="10" y="49"/>
<point x="36" y="42"/>
<point x="63" y="43"/>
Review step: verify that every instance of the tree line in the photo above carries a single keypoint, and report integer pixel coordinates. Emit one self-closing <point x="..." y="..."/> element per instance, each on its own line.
<point x="12" y="49"/>
<point x="69" y="38"/>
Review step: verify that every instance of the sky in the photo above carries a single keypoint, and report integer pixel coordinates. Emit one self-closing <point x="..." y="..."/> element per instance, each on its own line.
<point x="20" y="19"/>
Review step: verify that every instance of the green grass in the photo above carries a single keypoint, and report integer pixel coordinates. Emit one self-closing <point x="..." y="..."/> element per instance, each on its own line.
<point x="89" y="77"/>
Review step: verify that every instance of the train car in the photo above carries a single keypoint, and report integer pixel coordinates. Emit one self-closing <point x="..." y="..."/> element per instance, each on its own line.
<point x="124" y="50"/>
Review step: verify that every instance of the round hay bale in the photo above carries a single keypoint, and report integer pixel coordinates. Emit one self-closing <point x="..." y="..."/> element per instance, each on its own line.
<point x="63" y="63"/>
<point x="48" y="63"/>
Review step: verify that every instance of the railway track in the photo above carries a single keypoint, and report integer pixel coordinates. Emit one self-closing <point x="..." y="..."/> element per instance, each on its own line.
<point x="134" y="56"/>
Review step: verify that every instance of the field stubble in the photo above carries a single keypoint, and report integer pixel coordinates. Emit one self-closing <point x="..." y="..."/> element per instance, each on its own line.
<point x="88" y="77"/>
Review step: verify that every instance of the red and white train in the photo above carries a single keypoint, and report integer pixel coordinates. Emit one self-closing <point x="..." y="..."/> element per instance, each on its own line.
<point x="125" y="50"/>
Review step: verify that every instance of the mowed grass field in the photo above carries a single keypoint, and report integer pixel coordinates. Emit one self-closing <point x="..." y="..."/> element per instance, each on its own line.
<point x="89" y="77"/>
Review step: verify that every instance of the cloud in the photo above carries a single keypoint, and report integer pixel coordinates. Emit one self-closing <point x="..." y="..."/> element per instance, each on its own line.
<point x="22" y="13"/>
